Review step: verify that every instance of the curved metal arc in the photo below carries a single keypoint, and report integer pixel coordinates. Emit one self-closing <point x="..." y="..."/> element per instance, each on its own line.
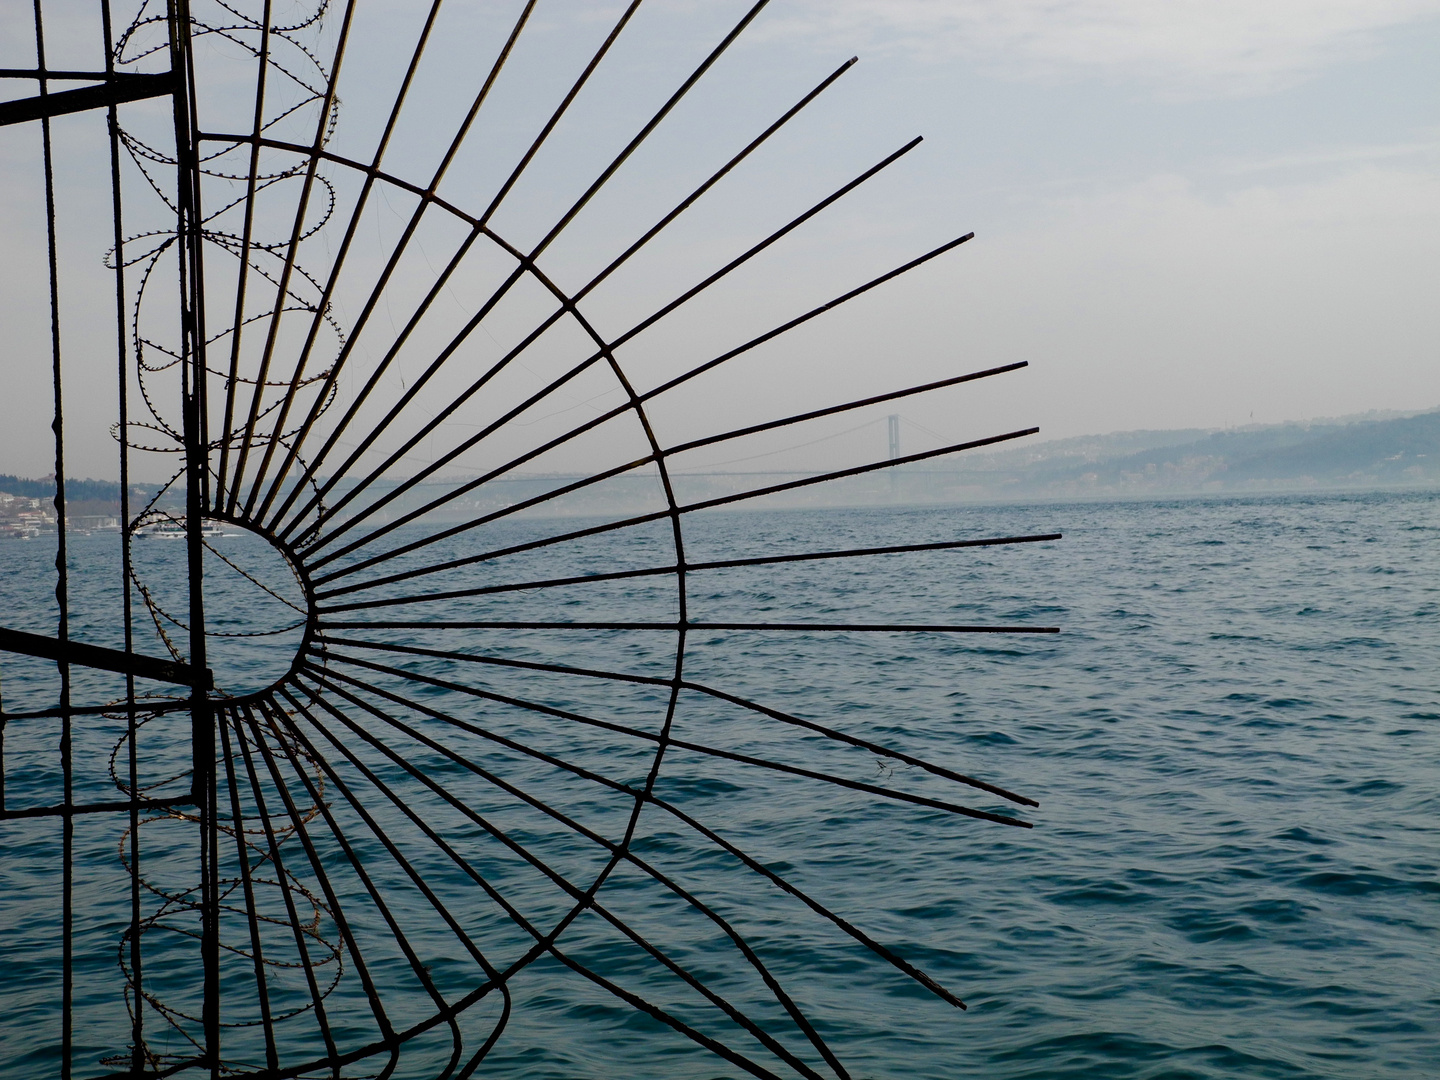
<point x="604" y="350"/>
<point x="271" y="709"/>
<point x="682" y="604"/>
<point x="302" y="576"/>
<point x="692" y="373"/>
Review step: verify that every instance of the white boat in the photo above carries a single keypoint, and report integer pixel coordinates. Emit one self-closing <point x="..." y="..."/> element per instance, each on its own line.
<point x="175" y="530"/>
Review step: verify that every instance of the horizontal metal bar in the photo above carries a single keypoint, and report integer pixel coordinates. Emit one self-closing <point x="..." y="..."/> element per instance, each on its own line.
<point x="119" y="87"/>
<point x="902" y="628"/>
<point x="59" y="76"/>
<point x="139" y="705"/>
<point x="61" y="810"/>
<point x="94" y="656"/>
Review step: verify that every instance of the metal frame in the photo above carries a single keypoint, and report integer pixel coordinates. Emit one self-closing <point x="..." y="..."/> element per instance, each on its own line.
<point x="304" y="774"/>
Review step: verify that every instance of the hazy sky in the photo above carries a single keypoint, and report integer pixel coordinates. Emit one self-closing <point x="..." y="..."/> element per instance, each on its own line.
<point x="1188" y="213"/>
<point x="1191" y="213"/>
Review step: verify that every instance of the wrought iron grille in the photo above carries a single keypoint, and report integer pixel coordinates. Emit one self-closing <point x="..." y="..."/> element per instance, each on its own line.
<point x="349" y="829"/>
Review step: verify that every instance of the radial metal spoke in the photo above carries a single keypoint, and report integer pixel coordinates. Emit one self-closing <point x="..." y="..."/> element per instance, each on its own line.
<point x="690" y="979"/>
<point x="527" y="260"/>
<point x="709" y="834"/>
<point x="649" y="571"/>
<point x="668" y="740"/>
<point x="246" y="236"/>
<point x="317" y="998"/>
<point x="672" y="627"/>
<point x="399" y="249"/>
<point x="417" y="967"/>
<point x="686" y="684"/>
<point x="471" y="485"/>
<point x="242" y="854"/>
<point x="604" y="351"/>
<point x="641" y="519"/>
<point x="297" y="231"/>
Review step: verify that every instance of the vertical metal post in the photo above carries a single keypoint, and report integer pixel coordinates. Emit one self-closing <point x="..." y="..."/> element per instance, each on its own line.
<point x="62" y="598"/>
<point x="190" y="244"/>
<point x="138" y="1059"/>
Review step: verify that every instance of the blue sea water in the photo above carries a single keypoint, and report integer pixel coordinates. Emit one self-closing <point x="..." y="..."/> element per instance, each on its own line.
<point x="1235" y="744"/>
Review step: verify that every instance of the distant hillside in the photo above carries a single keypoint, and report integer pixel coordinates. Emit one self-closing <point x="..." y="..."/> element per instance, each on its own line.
<point x="82" y="490"/>
<point x="82" y="497"/>
<point x="1398" y="452"/>
<point x="1395" y="451"/>
<point x="1401" y="451"/>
